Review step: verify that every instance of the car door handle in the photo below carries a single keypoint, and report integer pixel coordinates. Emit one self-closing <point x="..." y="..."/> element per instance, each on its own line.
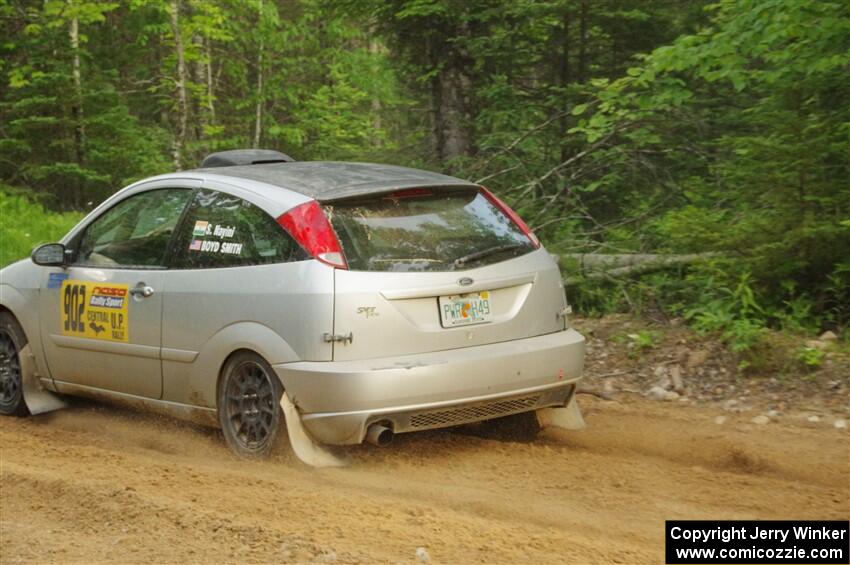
<point x="141" y="291"/>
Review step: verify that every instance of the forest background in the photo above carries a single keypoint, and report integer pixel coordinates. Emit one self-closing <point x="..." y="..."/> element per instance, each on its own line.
<point x="717" y="133"/>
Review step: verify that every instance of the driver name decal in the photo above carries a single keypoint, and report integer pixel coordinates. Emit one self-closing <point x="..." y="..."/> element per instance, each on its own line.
<point x="94" y="310"/>
<point x="203" y="228"/>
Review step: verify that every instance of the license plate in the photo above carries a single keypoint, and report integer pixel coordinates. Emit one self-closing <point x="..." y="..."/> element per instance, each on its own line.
<point x="465" y="309"/>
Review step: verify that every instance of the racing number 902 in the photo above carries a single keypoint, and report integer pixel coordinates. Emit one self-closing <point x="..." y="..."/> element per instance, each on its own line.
<point x="74" y="303"/>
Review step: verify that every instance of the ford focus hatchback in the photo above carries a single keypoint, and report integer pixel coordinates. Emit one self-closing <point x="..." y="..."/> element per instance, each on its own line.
<point x="378" y="299"/>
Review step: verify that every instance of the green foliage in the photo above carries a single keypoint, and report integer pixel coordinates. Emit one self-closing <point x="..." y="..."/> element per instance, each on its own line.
<point x="26" y="224"/>
<point x="638" y="342"/>
<point x="731" y="312"/>
<point x="321" y="84"/>
<point x="612" y="126"/>
<point x="734" y="139"/>
<point x="643" y="340"/>
<point x="810" y="357"/>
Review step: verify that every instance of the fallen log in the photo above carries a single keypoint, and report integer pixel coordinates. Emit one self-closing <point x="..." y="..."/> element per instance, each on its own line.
<point x="599" y="265"/>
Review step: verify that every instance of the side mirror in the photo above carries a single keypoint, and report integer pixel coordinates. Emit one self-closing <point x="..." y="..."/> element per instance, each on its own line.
<point x="49" y="255"/>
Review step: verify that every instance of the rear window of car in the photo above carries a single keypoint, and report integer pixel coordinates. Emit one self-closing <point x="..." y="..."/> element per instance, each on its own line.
<point x="423" y="230"/>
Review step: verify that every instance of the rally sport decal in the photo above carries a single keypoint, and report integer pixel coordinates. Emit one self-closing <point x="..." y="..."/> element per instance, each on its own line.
<point x="94" y="310"/>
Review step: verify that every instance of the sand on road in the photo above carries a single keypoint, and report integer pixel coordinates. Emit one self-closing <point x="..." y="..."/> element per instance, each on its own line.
<point x="96" y="484"/>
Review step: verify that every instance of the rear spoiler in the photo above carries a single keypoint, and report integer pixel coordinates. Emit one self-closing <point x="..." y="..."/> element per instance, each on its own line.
<point x="370" y="191"/>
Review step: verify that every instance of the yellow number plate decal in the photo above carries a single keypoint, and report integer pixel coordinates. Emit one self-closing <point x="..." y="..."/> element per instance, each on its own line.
<point x="94" y="310"/>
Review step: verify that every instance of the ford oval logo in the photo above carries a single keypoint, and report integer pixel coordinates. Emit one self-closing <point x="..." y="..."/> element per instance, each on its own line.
<point x="465" y="281"/>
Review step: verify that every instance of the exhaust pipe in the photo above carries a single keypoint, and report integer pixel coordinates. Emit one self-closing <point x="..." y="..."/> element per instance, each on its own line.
<point x="379" y="435"/>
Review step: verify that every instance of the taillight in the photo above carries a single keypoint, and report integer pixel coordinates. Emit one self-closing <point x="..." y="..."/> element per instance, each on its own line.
<point x="514" y="217"/>
<point x="310" y="227"/>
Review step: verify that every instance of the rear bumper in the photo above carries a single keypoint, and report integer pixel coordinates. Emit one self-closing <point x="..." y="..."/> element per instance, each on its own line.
<point x="339" y="400"/>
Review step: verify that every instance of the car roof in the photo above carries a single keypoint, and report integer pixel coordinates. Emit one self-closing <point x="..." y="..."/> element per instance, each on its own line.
<point x="334" y="180"/>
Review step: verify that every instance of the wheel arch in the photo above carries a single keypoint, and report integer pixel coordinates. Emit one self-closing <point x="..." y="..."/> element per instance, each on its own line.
<point x="233" y="354"/>
<point x="26" y="312"/>
<point x="199" y="385"/>
<point x="13" y="302"/>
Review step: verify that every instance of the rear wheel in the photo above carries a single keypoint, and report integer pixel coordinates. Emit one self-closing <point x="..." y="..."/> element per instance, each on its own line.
<point x="249" y="405"/>
<point x="12" y="341"/>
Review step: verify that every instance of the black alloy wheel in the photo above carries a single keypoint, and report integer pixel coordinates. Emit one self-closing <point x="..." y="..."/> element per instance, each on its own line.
<point x="249" y="405"/>
<point x="12" y="341"/>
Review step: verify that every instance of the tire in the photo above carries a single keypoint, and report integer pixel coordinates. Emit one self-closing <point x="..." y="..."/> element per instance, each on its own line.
<point x="12" y="341"/>
<point x="249" y="405"/>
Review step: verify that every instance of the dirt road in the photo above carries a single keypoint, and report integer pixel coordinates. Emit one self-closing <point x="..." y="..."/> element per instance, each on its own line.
<point x="95" y="484"/>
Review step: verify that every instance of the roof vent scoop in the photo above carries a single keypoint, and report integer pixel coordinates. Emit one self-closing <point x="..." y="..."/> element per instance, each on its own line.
<point x="244" y="157"/>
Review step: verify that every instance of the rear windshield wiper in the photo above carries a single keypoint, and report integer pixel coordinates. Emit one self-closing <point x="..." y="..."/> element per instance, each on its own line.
<point x="485" y="252"/>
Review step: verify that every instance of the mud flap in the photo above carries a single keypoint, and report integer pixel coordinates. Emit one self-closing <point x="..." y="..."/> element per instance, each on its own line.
<point x="304" y="447"/>
<point x="38" y="399"/>
<point x="568" y="418"/>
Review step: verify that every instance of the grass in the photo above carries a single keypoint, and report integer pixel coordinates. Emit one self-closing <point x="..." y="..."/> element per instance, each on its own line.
<point x="25" y="224"/>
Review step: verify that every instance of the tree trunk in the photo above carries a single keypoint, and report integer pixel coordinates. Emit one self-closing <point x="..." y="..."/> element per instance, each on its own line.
<point x="77" y="106"/>
<point x="565" y="77"/>
<point x="453" y="119"/>
<point x="455" y="128"/>
<point x="258" y="108"/>
<point x="209" y="77"/>
<point x="451" y="93"/>
<point x="374" y="50"/>
<point x="582" y="46"/>
<point x="183" y="102"/>
<point x="600" y="266"/>
<point x="75" y="191"/>
<point x="198" y="77"/>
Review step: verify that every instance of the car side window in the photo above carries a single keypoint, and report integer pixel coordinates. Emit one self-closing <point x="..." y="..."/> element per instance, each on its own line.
<point x="222" y="230"/>
<point x="135" y="232"/>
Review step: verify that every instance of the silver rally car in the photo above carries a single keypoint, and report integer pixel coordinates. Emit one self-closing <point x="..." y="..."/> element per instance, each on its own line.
<point x="358" y="300"/>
